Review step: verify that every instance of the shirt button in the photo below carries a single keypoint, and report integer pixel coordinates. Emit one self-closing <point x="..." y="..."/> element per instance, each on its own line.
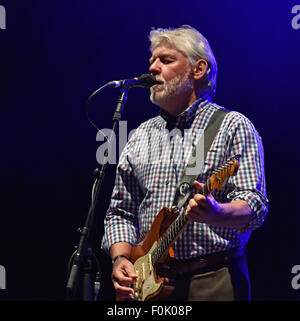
<point x="167" y="182"/>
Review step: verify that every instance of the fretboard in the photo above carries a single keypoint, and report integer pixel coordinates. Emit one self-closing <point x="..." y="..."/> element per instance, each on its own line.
<point x="173" y="231"/>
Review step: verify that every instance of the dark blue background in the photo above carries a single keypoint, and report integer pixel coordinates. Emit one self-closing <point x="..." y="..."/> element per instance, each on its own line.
<point x="54" y="54"/>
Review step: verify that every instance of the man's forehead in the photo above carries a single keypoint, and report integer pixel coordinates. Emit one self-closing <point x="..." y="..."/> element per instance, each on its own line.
<point x="166" y="49"/>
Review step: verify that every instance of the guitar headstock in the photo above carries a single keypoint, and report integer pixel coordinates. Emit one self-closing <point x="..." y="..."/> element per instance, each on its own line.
<point x="229" y="168"/>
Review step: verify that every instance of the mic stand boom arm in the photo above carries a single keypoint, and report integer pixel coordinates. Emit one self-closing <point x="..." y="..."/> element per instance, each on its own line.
<point x="83" y="255"/>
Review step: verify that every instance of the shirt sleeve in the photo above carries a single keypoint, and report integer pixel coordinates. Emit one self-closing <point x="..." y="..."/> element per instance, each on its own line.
<point x="249" y="182"/>
<point x="121" y="221"/>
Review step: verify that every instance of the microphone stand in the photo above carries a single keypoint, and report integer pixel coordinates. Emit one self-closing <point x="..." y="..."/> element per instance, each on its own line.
<point x="83" y="257"/>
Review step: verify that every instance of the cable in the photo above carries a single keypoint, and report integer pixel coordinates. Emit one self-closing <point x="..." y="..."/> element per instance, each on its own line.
<point x="107" y="152"/>
<point x="87" y="104"/>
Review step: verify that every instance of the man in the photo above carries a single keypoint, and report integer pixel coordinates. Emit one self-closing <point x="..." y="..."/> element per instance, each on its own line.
<point x="151" y="166"/>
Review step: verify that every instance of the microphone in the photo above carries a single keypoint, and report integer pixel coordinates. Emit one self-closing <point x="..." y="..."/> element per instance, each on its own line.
<point x="145" y="80"/>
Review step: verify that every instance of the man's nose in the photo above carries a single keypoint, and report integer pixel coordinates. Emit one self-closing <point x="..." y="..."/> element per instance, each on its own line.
<point x="155" y="67"/>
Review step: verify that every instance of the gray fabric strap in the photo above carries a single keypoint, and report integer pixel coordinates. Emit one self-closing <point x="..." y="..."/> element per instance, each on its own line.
<point x="193" y="170"/>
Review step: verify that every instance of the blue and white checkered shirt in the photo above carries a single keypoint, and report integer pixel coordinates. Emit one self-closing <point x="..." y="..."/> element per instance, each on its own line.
<point x="152" y="163"/>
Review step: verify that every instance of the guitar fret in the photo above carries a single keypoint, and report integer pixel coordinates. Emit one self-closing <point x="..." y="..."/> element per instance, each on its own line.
<point x="175" y="227"/>
<point x="172" y="233"/>
<point x="168" y="237"/>
<point x="161" y="249"/>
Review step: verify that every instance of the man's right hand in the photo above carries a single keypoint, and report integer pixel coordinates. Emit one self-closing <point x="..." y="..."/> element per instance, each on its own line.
<point x="123" y="275"/>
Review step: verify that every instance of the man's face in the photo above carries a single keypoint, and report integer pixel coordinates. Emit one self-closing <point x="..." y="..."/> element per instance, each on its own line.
<point x="172" y="68"/>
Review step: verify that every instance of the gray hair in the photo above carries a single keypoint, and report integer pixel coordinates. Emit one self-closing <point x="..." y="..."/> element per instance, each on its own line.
<point x="193" y="44"/>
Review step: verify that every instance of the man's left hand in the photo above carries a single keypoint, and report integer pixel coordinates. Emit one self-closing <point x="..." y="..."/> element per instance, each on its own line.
<point x="203" y="209"/>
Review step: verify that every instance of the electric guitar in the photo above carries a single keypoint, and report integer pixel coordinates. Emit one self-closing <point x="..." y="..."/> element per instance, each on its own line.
<point x="156" y="248"/>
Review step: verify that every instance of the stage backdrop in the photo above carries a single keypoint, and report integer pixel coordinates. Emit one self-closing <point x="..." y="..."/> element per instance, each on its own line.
<point x="54" y="54"/>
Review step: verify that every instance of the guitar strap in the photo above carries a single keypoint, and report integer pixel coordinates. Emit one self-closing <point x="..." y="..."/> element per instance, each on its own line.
<point x="199" y="153"/>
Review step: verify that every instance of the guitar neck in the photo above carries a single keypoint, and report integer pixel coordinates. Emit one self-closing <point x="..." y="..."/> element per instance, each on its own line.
<point x="169" y="237"/>
<point x="175" y="229"/>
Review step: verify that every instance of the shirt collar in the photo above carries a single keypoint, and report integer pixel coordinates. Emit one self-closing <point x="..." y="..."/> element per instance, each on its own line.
<point x="187" y="115"/>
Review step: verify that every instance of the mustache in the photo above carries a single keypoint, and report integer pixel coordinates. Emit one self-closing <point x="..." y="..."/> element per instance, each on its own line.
<point x="159" y="86"/>
<point x="159" y="80"/>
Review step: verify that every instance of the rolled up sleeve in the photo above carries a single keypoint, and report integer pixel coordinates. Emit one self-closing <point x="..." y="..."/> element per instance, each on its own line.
<point x="249" y="182"/>
<point x="121" y="221"/>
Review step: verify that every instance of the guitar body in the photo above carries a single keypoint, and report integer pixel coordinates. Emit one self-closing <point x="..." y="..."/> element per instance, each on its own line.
<point x="149" y="284"/>
<point x="161" y="223"/>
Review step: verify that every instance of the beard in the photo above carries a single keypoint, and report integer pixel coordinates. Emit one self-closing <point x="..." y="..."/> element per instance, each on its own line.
<point x="162" y="94"/>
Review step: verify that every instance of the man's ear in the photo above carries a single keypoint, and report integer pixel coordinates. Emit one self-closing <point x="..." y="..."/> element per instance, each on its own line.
<point x="199" y="69"/>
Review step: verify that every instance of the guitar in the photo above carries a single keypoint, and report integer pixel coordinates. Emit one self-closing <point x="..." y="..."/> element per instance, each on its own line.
<point x="156" y="248"/>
